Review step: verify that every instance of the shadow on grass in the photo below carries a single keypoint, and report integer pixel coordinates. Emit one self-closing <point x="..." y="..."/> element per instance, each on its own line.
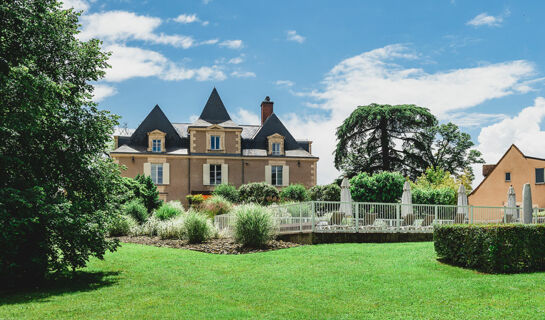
<point x="486" y="272"/>
<point x="80" y="281"/>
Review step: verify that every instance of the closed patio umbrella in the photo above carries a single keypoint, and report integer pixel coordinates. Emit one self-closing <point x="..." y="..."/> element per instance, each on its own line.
<point x="406" y="200"/>
<point x="462" y="201"/>
<point x="346" y="198"/>
<point x="512" y="212"/>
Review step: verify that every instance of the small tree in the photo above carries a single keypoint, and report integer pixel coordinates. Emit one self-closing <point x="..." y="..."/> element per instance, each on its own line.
<point x="329" y="192"/>
<point x="258" y="192"/>
<point x="227" y="191"/>
<point x="294" y="192"/>
<point x="147" y="191"/>
<point x="385" y="187"/>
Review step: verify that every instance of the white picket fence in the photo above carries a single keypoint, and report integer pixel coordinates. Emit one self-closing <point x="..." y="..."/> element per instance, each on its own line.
<point x="324" y="216"/>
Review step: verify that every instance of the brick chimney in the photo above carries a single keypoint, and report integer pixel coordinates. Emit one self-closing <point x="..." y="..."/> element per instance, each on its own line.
<point x="266" y="109"/>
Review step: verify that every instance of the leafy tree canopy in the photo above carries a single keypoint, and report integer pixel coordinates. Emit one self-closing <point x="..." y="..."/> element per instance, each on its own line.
<point x="57" y="186"/>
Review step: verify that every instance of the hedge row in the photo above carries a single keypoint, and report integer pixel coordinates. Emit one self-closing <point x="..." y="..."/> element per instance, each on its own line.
<point x="492" y="248"/>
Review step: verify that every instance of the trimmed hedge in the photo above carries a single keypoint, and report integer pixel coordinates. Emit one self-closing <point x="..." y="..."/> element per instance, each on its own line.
<point x="492" y="248"/>
<point x="258" y="192"/>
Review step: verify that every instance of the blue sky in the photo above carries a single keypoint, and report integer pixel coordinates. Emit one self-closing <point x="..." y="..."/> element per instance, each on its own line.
<point x="479" y="64"/>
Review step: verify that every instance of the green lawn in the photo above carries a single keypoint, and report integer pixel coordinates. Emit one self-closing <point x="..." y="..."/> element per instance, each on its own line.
<point x="339" y="281"/>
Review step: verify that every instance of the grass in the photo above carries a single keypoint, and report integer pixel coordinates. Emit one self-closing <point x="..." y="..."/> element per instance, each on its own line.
<point x="338" y="281"/>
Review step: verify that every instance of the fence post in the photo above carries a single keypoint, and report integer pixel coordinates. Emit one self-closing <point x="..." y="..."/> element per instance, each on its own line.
<point x="436" y="213"/>
<point x="398" y="216"/>
<point x="313" y="209"/>
<point x="471" y="214"/>
<point x="357" y="216"/>
<point x="300" y="218"/>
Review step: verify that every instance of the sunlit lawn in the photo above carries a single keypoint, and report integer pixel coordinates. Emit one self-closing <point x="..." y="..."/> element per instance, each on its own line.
<point x="366" y="281"/>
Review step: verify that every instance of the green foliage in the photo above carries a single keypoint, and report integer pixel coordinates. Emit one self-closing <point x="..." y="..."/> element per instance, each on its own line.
<point x="57" y="189"/>
<point x="227" y="191"/>
<point x="492" y="248"/>
<point x="216" y="205"/>
<point x="254" y="225"/>
<point x="197" y="228"/>
<point x="168" y="210"/>
<point x="367" y="139"/>
<point x="294" y="192"/>
<point x="258" y="192"/>
<point x="441" y="196"/>
<point x="148" y="192"/>
<point x="329" y="192"/>
<point x="447" y="148"/>
<point x="136" y="210"/>
<point x="195" y="200"/>
<point x="122" y="226"/>
<point x="385" y="187"/>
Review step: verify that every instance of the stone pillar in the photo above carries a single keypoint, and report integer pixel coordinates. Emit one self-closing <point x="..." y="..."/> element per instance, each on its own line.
<point x="527" y="204"/>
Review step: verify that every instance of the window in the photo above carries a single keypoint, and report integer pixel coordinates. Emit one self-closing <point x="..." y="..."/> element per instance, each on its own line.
<point x="507" y="176"/>
<point x="540" y="175"/>
<point x="214" y="142"/>
<point x="157" y="173"/>
<point x="276" y="148"/>
<point x="156" y="145"/>
<point x="276" y="175"/>
<point x="215" y="174"/>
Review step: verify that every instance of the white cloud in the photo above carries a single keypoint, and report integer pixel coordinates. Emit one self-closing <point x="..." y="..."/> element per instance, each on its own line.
<point x="131" y="62"/>
<point x="523" y="130"/>
<point x="211" y="41"/>
<point x="484" y="19"/>
<point x="474" y="119"/>
<point x="189" y="18"/>
<point x="103" y="91"/>
<point x="231" y="44"/>
<point x="373" y="77"/>
<point x="284" y="83"/>
<point x="116" y="26"/>
<point x="78" y="5"/>
<point x="243" y="74"/>
<point x="236" y="60"/>
<point x="293" y="36"/>
<point x="243" y="116"/>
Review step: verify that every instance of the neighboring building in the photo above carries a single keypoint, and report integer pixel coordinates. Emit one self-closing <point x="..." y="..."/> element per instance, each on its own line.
<point x="192" y="158"/>
<point x="515" y="169"/>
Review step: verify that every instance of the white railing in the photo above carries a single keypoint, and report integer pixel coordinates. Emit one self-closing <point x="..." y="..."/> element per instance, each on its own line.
<point x="329" y="216"/>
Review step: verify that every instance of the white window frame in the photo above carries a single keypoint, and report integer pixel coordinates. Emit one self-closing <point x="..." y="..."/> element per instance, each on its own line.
<point x="276" y="149"/>
<point x="215" y="142"/>
<point x="215" y="174"/>
<point x="156" y="145"/>
<point x="275" y="179"/>
<point x="157" y="173"/>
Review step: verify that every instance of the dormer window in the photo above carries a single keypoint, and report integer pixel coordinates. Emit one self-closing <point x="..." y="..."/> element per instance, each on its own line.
<point x="276" y="149"/>
<point x="156" y="145"/>
<point x="215" y="143"/>
<point x="156" y="141"/>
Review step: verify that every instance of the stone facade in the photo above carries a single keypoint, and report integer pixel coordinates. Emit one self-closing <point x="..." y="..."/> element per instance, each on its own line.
<point x="189" y="163"/>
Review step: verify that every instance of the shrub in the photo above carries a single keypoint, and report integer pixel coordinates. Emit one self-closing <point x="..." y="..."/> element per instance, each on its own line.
<point x="330" y="192"/>
<point x="168" y="210"/>
<point x="386" y="187"/>
<point x="227" y="191"/>
<point x="441" y="196"/>
<point x="254" y="225"/>
<point x="197" y="227"/>
<point x="147" y="192"/>
<point x="195" y="200"/>
<point x="137" y="210"/>
<point x="149" y="228"/>
<point x="258" y="192"/>
<point x="294" y="192"/>
<point x="216" y="205"/>
<point x="172" y="229"/>
<point x="122" y="226"/>
<point x="492" y="248"/>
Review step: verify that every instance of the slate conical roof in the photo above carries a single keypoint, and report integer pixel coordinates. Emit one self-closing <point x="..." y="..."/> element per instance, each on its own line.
<point x="156" y="119"/>
<point x="271" y="126"/>
<point x="214" y="111"/>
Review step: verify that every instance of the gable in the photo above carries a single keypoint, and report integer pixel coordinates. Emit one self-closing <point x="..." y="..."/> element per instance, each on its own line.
<point x="156" y="120"/>
<point x="273" y="126"/>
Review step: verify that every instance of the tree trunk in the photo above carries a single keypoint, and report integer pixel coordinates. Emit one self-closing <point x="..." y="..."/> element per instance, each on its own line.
<point x="384" y="144"/>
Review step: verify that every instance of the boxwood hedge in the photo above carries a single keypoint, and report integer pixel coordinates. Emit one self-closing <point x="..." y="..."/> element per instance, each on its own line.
<point x="492" y="248"/>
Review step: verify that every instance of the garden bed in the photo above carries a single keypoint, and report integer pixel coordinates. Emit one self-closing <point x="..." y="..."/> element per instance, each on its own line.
<point x="217" y="246"/>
